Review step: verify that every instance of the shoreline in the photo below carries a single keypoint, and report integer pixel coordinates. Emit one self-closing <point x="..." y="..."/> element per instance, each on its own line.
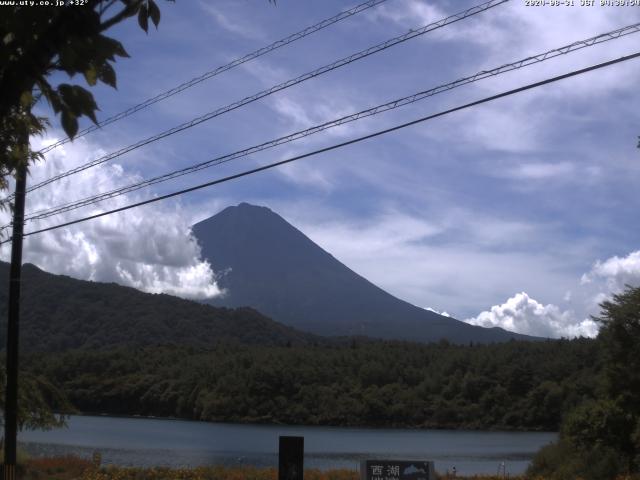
<point x="303" y="425"/>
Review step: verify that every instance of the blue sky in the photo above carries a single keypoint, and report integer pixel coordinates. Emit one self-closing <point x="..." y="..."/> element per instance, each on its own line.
<point x="520" y="213"/>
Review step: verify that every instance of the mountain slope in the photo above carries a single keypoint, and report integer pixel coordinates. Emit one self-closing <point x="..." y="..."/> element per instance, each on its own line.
<point x="59" y="313"/>
<point x="266" y="263"/>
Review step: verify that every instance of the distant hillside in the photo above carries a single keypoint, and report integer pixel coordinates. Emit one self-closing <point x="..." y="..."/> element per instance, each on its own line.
<point x="268" y="264"/>
<point x="59" y="313"/>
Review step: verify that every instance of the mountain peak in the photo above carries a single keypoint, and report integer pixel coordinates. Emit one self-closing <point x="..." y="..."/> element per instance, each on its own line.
<point x="242" y="211"/>
<point x="248" y="207"/>
<point x="245" y="207"/>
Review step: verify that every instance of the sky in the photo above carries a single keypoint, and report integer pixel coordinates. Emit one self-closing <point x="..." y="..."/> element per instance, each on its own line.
<point x="520" y="213"/>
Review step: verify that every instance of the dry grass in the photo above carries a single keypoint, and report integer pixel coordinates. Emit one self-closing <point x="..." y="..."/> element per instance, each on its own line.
<point x="75" y="468"/>
<point x="55" y="468"/>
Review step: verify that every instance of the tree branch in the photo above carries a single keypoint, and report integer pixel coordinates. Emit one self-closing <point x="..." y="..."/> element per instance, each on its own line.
<point x="126" y="12"/>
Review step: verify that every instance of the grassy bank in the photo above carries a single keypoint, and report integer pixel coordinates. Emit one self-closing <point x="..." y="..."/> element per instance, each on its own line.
<point x="75" y="468"/>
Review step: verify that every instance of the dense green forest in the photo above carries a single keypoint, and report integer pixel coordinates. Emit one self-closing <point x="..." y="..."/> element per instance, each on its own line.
<point x="516" y="385"/>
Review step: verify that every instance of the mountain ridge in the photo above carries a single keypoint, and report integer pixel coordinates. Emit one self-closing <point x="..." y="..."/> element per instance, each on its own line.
<point x="60" y="313"/>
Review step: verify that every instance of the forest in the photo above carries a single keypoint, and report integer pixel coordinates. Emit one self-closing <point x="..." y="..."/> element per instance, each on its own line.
<point x="516" y="385"/>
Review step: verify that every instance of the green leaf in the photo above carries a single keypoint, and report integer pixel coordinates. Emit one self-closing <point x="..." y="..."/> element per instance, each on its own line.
<point x="66" y="94"/>
<point x="108" y="75"/>
<point x="92" y="115"/>
<point x="54" y="99"/>
<point x="26" y="99"/>
<point x="119" y="49"/>
<point x="91" y="75"/>
<point x="68" y="58"/>
<point x="78" y="101"/>
<point x="85" y="102"/>
<point x="154" y="13"/>
<point x="107" y="48"/>
<point x="131" y="7"/>
<point x="143" y="18"/>
<point x="69" y="123"/>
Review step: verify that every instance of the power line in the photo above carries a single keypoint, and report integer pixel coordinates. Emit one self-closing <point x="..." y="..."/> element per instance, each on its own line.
<point x="340" y="145"/>
<point x="578" y="45"/>
<point x="212" y="73"/>
<point x="289" y="83"/>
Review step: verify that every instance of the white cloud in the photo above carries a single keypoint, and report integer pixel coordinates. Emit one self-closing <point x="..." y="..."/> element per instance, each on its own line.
<point x="294" y="111"/>
<point x="417" y="13"/>
<point x="507" y="28"/>
<point x="616" y="272"/>
<point x="524" y="314"/>
<point x="304" y="174"/>
<point x="316" y="108"/>
<point x="544" y="171"/>
<point x="501" y="129"/>
<point x="150" y="248"/>
<point x="443" y="313"/>
<point x="607" y="278"/>
<point x="526" y="122"/>
<point x="230" y="24"/>
<point x="407" y="13"/>
<point x="369" y="238"/>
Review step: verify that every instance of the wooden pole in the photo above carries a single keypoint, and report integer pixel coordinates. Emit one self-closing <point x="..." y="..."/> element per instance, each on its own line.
<point x="13" y="323"/>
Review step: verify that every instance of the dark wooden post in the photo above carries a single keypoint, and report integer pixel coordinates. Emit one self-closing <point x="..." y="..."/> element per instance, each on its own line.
<point x="290" y="458"/>
<point x="13" y="324"/>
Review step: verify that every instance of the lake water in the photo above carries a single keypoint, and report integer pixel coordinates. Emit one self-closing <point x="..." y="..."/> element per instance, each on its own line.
<point x="146" y="442"/>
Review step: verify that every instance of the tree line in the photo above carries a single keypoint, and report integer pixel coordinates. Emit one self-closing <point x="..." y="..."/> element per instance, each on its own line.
<point x="515" y="386"/>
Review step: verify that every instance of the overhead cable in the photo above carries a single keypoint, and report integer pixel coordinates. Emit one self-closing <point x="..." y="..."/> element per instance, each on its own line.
<point x="289" y="83"/>
<point x="338" y="145"/>
<point x="578" y="45"/>
<point x="212" y="73"/>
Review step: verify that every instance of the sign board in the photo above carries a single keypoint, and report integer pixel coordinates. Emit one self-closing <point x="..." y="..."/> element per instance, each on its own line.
<point x="397" y="470"/>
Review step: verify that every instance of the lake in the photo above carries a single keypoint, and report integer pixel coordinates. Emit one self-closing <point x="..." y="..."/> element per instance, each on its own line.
<point x="147" y="442"/>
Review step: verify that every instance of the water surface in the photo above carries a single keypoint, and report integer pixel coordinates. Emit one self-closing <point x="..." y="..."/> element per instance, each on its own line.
<point x="147" y="442"/>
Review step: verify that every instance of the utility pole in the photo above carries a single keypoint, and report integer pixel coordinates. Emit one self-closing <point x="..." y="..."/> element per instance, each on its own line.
<point x="11" y="392"/>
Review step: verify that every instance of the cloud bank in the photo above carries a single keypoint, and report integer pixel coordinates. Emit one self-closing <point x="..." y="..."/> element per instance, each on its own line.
<point x="149" y="248"/>
<point x="615" y="272"/>
<point x="523" y="314"/>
